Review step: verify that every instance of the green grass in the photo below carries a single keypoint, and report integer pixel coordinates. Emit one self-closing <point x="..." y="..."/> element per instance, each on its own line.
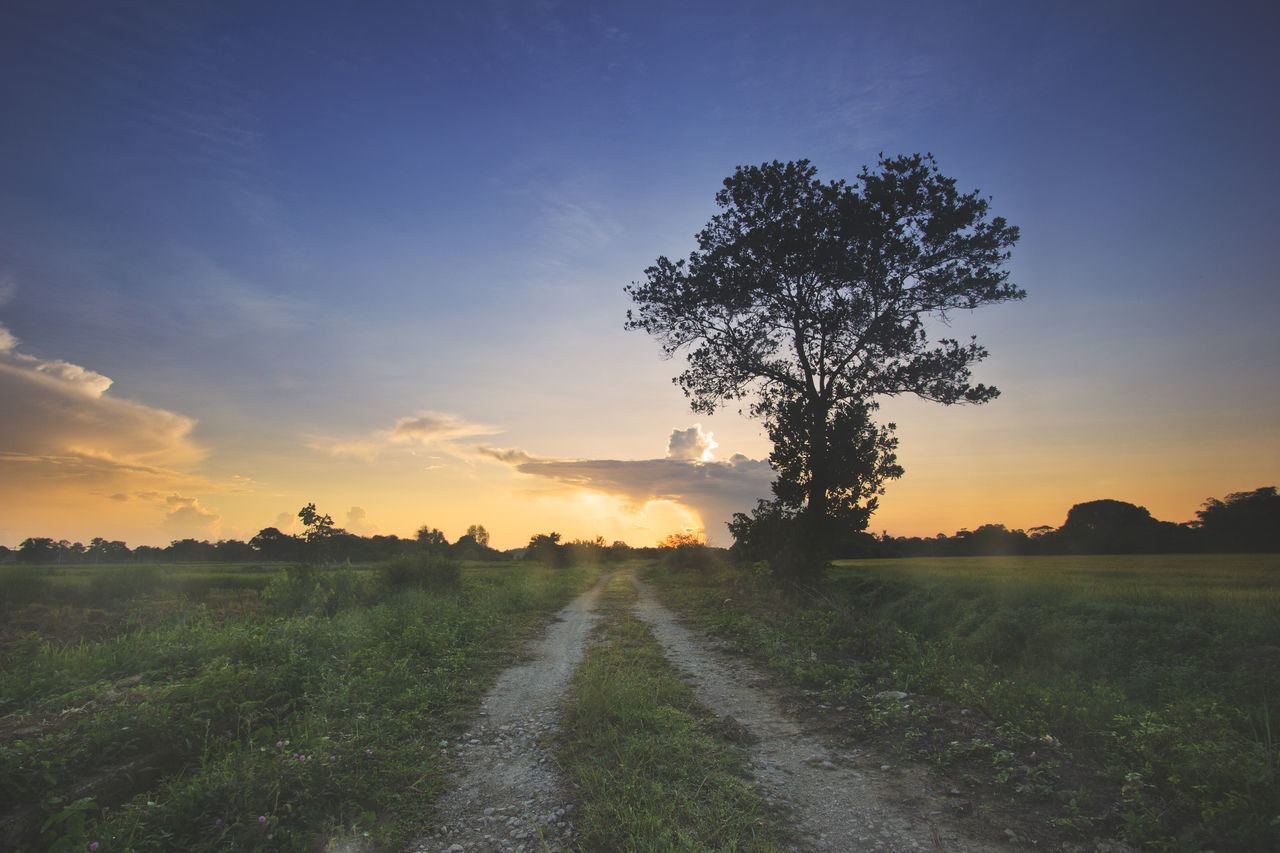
<point x="307" y="720"/>
<point x="1151" y="681"/>
<point x="651" y="771"/>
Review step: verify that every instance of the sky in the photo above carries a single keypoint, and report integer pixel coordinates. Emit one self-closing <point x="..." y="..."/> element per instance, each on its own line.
<point x="372" y="256"/>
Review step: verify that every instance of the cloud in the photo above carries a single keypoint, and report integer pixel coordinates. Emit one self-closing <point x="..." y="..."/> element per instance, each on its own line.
<point x="425" y="429"/>
<point x="59" y="422"/>
<point x="357" y="524"/>
<point x="691" y="445"/>
<point x="186" y="517"/>
<point x="715" y="490"/>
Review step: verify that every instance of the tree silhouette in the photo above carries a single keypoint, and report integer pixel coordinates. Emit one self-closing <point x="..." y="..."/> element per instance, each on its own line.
<point x="809" y="300"/>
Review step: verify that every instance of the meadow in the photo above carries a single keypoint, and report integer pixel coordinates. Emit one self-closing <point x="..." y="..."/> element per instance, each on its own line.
<point x="256" y="707"/>
<point x="246" y="707"/>
<point x="1086" y="696"/>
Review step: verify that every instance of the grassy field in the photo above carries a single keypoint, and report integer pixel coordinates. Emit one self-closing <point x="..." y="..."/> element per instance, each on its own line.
<point x="246" y="708"/>
<point x="270" y="708"/>
<point x="1085" y="695"/>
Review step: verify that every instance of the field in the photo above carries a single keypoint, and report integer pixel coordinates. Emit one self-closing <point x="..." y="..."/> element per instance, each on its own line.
<point x="245" y="708"/>
<point x="1082" y="695"/>
<point x="255" y="707"/>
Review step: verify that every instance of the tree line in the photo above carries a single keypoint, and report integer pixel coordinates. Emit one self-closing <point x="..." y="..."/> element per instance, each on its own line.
<point x="1246" y="522"/>
<point x="320" y="542"/>
<point x="1240" y="522"/>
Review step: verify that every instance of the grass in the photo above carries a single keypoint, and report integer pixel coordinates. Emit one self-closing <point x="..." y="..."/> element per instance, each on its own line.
<point x="1127" y="694"/>
<point x="651" y="770"/>
<point x="308" y="719"/>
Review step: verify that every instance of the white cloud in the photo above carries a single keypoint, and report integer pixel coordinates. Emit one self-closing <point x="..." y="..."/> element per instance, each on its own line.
<point x="691" y="445"/>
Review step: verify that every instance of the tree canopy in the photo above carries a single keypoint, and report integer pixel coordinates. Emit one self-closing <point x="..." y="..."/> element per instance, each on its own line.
<point x="808" y="300"/>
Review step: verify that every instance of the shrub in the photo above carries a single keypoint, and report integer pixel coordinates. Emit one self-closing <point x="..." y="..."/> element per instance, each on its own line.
<point x="421" y="571"/>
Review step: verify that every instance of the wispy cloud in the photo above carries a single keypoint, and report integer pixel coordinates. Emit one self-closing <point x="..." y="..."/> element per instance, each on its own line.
<point x="688" y="476"/>
<point x="424" y="429"/>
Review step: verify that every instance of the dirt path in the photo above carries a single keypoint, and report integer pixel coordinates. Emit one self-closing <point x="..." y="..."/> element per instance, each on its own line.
<point x="841" y="799"/>
<point x="509" y="796"/>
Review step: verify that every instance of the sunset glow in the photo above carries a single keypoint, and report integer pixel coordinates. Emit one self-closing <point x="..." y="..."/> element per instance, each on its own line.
<point x="252" y="259"/>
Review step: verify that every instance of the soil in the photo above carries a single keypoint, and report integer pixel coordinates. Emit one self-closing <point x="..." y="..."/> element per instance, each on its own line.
<point x="507" y="794"/>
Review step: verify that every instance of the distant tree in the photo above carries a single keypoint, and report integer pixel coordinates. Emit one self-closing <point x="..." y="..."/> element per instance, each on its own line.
<point x="684" y="537"/>
<point x="1112" y="527"/>
<point x="274" y="545"/>
<point x="233" y="551"/>
<point x="546" y="549"/>
<point x="431" y="537"/>
<point x="191" y="551"/>
<point x="479" y="534"/>
<point x="1244" y="521"/>
<point x="318" y="527"/>
<point x="103" y="551"/>
<point x="39" y="550"/>
<point x="320" y="535"/>
<point x="810" y="300"/>
<point x="992" y="540"/>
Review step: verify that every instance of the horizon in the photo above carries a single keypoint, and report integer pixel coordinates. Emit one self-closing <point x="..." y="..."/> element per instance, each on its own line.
<point x="264" y="257"/>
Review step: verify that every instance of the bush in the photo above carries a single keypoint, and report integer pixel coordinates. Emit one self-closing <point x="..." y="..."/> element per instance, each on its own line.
<point x="421" y="571"/>
<point x="691" y="557"/>
<point x="304" y="589"/>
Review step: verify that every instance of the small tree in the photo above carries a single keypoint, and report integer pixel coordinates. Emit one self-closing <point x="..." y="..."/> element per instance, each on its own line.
<point x="810" y="300"/>
<point x="479" y="534"/>
<point x="431" y="538"/>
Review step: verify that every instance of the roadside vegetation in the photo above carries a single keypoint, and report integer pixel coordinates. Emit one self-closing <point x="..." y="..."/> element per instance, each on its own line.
<point x="248" y="707"/>
<point x="1082" y="696"/>
<point x="652" y="770"/>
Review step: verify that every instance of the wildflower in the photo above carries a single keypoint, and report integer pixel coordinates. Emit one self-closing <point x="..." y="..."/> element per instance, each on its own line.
<point x="333" y="758"/>
<point x="93" y="845"/>
<point x="280" y="743"/>
<point x="262" y="818"/>
<point x="368" y="752"/>
<point x="218" y="822"/>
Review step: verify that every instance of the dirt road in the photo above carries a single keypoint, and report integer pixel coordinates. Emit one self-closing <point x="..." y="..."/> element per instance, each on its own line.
<point x="509" y="797"/>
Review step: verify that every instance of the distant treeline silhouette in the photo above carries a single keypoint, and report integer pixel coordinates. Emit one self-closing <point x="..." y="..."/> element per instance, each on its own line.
<point x="1241" y="522"/>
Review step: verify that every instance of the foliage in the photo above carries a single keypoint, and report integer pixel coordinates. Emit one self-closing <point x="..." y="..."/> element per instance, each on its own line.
<point x="688" y="552"/>
<point x="421" y="571"/>
<point x="810" y="299"/>
<point x="478" y="535"/>
<point x="1244" y="521"/>
<point x="546" y="549"/>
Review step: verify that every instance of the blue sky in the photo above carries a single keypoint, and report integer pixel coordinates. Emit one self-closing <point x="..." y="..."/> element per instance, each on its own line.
<point x="341" y="252"/>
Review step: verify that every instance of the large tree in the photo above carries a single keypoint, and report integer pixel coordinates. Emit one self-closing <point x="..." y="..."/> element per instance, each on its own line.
<point x="811" y="300"/>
